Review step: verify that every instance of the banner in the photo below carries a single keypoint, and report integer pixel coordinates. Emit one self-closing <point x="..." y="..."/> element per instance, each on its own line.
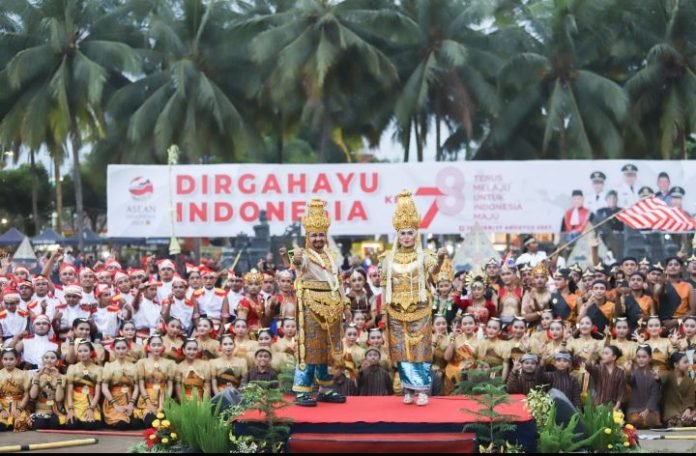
<point x="511" y="196"/>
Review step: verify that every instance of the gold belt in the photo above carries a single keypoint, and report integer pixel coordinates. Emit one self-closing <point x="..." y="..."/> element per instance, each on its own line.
<point x="316" y="285"/>
<point x="408" y="316"/>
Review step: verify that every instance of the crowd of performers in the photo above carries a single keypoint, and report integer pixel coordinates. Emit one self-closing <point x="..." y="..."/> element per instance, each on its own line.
<point x="108" y="347"/>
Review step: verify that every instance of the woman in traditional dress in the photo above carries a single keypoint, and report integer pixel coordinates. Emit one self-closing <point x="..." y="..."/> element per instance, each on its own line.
<point x="244" y="346"/>
<point x="120" y="388"/>
<point x="227" y="370"/>
<point x="586" y="349"/>
<point x="679" y="393"/>
<point x="621" y="340"/>
<point x="662" y="348"/>
<point x="192" y="375"/>
<point x="14" y="393"/>
<point x="48" y="392"/>
<point x="156" y="376"/>
<point x="173" y="340"/>
<point x="136" y="349"/>
<point x="556" y="337"/>
<point x="285" y="346"/>
<point x="207" y="344"/>
<point x="460" y="353"/>
<point x="83" y="395"/>
<point x="493" y="351"/>
<point x="406" y="272"/>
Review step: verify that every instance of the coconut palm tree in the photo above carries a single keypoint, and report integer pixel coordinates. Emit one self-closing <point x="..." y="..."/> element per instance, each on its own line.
<point x="320" y="52"/>
<point x="549" y="93"/>
<point x="663" y="90"/>
<point x="71" y="53"/>
<point x="448" y="73"/>
<point x="186" y="95"/>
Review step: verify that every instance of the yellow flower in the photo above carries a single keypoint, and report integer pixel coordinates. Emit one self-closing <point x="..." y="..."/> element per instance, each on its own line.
<point x="165" y="441"/>
<point x="629" y="426"/>
<point x="626" y="444"/>
<point x="607" y="431"/>
<point x="166" y="423"/>
<point x="160" y="416"/>
<point x="153" y="437"/>
<point x="618" y="417"/>
<point x="156" y="424"/>
<point x="610" y="446"/>
<point x="173" y="436"/>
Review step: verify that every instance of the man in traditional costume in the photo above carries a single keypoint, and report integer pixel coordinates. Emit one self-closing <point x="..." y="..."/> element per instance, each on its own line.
<point x="320" y="308"/>
<point x="406" y="271"/>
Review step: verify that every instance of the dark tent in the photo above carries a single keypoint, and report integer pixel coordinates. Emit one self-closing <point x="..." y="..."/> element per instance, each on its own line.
<point x="12" y="237"/>
<point x="47" y="237"/>
<point x="89" y="237"/>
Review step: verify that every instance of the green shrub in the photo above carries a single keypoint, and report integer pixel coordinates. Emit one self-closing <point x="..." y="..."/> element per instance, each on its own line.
<point x="198" y="424"/>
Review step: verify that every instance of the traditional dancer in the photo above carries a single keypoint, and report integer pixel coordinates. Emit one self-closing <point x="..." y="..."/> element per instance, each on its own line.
<point x="320" y="308"/>
<point x="406" y="271"/>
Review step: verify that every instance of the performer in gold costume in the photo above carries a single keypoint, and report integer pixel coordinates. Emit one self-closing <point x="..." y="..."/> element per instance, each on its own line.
<point x="321" y="304"/>
<point x="406" y="272"/>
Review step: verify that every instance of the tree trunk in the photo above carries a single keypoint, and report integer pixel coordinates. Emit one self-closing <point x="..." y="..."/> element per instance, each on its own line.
<point x="324" y="141"/>
<point x="407" y="144"/>
<point x="59" y="191"/>
<point x="77" y="177"/>
<point x="438" y="145"/>
<point x="562" y="144"/>
<point x="34" y="193"/>
<point x="419" y="140"/>
<point x="279" y="140"/>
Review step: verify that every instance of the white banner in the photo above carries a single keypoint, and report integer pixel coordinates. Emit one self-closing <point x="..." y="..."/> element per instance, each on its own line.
<point x="513" y="197"/>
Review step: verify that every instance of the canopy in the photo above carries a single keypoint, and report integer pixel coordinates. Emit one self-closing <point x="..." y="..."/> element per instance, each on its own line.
<point x="89" y="237"/>
<point x="47" y="237"/>
<point x="12" y="237"/>
<point x="25" y="254"/>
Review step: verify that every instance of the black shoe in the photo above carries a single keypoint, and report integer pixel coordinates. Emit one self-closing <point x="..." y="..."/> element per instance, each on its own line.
<point x="305" y="400"/>
<point x="332" y="397"/>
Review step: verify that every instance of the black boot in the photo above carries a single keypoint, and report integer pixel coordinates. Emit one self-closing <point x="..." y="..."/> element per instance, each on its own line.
<point x="305" y="400"/>
<point x="331" y="396"/>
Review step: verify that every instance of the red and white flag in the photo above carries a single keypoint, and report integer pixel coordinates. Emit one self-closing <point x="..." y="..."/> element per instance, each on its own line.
<point x="654" y="214"/>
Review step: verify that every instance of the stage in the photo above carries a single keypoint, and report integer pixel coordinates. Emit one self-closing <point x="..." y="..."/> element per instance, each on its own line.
<point x="389" y="415"/>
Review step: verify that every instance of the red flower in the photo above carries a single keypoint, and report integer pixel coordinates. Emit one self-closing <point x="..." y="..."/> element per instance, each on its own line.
<point x="150" y="441"/>
<point x="631" y="436"/>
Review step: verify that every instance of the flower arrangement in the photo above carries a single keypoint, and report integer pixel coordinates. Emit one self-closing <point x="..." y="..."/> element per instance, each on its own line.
<point x="161" y="433"/>
<point x="539" y="404"/>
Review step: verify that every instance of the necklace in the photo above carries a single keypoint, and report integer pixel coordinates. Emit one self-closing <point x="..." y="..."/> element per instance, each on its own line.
<point x="332" y="276"/>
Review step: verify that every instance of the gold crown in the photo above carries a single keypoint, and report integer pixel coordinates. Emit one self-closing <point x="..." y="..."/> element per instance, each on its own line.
<point x="446" y="271"/>
<point x="242" y="313"/>
<point x="406" y="215"/>
<point x="253" y="276"/>
<point x="540" y="269"/>
<point x="316" y="220"/>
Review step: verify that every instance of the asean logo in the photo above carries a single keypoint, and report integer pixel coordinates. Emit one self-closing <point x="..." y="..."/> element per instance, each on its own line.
<point x="140" y="188"/>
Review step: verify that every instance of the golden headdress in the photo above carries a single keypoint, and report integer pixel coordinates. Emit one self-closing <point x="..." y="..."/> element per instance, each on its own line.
<point x="406" y="215"/>
<point x="540" y="269"/>
<point x="253" y="276"/>
<point x="316" y="220"/>
<point x="446" y="271"/>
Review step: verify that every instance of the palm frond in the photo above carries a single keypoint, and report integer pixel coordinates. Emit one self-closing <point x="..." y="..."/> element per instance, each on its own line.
<point x="454" y="53"/>
<point x="112" y="54"/>
<point x="414" y="95"/>
<point x="89" y="75"/>
<point x="29" y="63"/>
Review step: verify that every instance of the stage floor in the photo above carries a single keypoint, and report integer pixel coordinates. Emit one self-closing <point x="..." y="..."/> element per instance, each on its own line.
<point x="442" y="410"/>
<point x="389" y="415"/>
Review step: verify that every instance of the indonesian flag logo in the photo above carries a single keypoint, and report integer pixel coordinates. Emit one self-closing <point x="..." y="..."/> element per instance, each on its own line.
<point x="140" y="188"/>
